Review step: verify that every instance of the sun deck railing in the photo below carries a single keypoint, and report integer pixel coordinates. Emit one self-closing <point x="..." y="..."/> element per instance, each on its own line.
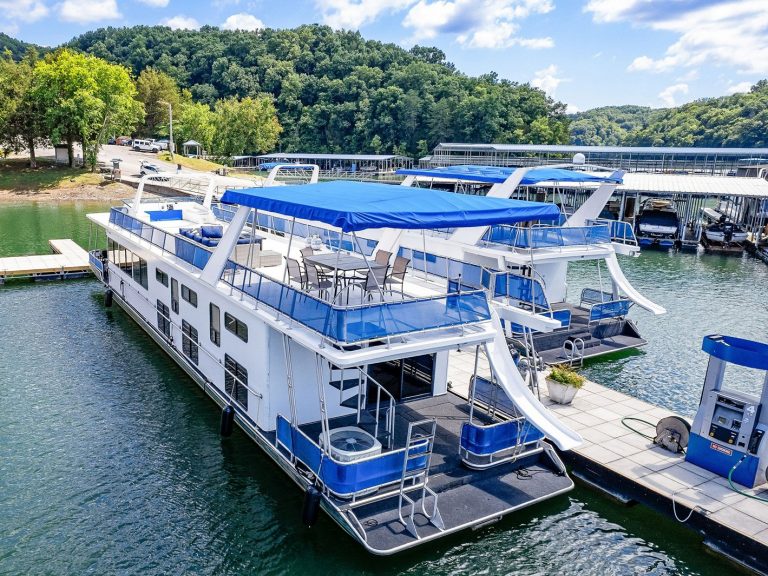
<point x="535" y="237"/>
<point x="187" y="250"/>
<point x="620" y="232"/>
<point x="282" y="226"/>
<point x="358" y="323"/>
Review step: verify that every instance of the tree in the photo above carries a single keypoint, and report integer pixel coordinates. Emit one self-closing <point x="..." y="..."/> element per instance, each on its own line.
<point x="247" y="125"/>
<point x="197" y="122"/>
<point x="153" y="89"/>
<point x="84" y="99"/>
<point x="376" y="144"/>
<point x="24" y="126"/>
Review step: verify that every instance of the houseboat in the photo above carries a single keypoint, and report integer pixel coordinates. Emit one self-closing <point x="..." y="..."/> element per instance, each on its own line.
<point x="295" y="310"/>
<point x="535" y="256"/>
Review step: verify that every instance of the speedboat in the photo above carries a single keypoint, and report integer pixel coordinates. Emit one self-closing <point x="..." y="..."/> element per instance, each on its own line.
<point x="344" y="383"/>
<point x="657" y="224"/>
<point x="720" y="234"/>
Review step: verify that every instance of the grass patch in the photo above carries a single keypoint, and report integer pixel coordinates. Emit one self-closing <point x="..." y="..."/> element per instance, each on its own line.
<point x="16" y="175"/>
<point x="193" y="163"/>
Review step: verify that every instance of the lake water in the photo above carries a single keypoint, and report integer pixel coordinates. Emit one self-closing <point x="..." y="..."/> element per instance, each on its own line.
<point x="111" y="461"/>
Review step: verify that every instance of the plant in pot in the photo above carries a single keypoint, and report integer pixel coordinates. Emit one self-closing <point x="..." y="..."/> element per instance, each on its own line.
<point x="563" y="383"/>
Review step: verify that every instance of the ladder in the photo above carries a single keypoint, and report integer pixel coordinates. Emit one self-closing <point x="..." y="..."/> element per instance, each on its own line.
<point x="418" y="448"/>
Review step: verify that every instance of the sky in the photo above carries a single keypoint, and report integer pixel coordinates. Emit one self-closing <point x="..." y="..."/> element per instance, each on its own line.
<point x="585" y="53"/>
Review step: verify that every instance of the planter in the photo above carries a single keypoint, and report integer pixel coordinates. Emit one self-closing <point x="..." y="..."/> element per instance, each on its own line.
<point x="561" y="393"/>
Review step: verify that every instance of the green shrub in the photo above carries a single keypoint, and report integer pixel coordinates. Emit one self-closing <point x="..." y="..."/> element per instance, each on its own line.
<point x="567" y="376"/>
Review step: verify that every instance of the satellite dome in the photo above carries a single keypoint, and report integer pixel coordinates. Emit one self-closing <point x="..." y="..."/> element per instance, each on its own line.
<point x="579" y="158"/>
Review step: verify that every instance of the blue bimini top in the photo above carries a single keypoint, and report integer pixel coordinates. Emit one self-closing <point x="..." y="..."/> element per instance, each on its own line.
<point x="499" y="174"/>
<point x="353" y="206"/>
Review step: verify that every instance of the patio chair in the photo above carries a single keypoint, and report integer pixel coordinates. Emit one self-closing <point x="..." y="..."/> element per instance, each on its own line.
<point x="308" y="251"/>
<point x="315" y="282"/>
<point x="382" y="257"/>
<point x="295" y="274"/>
<point x="397" y="274"/>
<point x="373" y="282"/>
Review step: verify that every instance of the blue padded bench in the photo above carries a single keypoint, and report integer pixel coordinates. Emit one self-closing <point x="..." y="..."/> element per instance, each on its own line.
<point x="160" y="215"/>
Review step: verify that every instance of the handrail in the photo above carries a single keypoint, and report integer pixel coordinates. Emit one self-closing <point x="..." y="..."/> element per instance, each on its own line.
<point x="547" y="236"/>
<point x="620" y="232"/>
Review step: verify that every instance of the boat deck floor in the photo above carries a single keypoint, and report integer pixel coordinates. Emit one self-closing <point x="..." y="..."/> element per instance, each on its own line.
<point x="465" y="497"/>
<point x="606" y="346"/>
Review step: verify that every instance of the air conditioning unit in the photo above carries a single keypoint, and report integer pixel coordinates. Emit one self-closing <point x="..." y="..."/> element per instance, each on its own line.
<point x="351" y="443"/>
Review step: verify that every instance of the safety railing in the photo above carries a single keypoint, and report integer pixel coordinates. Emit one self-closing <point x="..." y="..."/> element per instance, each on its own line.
<point x="521" y="288"/>
<point x="620" y="232"/>
<point x="187" y="250"/>
<point x="537" y="237"/>
<point x="278" y="225"/>
<point x="358" y="323"/>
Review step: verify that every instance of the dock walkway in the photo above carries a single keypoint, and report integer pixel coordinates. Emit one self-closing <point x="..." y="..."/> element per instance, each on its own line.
<point x="633" y="469"/>
<point x="68" y="260"/>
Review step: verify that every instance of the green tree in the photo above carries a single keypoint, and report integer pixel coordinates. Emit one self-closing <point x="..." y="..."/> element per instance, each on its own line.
<point x="376" y="144"/>
<point x="245" y="126"/>
<point x="196" y="121"/>
<point x="153" y="90"/>
<point x="84" y="99"/>
<point x="422" y="149"/>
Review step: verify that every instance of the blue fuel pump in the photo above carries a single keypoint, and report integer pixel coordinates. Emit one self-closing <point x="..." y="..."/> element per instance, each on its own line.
<point x="728" y="435"/>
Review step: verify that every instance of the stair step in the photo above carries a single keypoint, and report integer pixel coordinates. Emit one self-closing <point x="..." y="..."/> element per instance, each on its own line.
<point x="351" y="402"/>
<point x="348" y="383"/>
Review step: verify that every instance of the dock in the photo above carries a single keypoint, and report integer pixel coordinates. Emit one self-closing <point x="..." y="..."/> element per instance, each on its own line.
<point x="631" y="469"/>
<point x="68" y="260"/>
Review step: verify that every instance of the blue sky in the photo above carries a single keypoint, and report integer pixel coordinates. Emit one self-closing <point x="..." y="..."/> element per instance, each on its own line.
<point x="585" y="53"/>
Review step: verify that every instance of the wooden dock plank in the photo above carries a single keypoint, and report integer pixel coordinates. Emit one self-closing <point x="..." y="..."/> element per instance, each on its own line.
<point x="69" y="257"/>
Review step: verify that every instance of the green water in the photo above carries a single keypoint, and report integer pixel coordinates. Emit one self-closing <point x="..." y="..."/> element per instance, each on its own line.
<point x="111" y="462"/>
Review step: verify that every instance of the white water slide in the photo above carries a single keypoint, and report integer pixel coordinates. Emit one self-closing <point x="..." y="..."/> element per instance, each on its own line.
<point x="510" y="380"/>
<point x="621" y="281"/>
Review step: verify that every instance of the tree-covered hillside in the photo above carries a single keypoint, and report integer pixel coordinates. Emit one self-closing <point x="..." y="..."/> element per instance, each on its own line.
<point x="608" y="126"/>
<point x="337" y="92"/>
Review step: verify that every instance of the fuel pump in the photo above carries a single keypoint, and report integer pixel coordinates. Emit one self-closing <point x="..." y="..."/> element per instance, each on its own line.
<point x="728" y="435"/>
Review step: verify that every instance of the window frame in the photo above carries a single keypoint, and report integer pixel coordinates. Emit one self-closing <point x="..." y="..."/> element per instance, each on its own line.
<point x="214" y="332"/>
<point x="238" y="328"/>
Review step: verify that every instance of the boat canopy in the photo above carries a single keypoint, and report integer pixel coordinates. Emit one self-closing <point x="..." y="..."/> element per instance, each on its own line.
<point x="499" y="174"/>
<point x="353" y="206"/>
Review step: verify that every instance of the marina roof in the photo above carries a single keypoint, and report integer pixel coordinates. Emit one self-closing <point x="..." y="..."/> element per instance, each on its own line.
<point x="352" y="157"/>
<point x="572" y="149"/>
<point x="694" y="184"/>
<point x="353" y="206"/>
<point x="496" y="174"/>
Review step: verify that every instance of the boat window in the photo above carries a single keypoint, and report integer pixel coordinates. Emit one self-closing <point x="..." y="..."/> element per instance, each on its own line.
<point x="161" y="277"/>
<point x="139" y="273"/>
<point x="236" y="381"/>
<point x="404" y="378"/>
<point x="189" y="341"/>
<point x="163" y="319"/>
<point x="175" y="295"/>
<point x="189" y="295"/>
<point x="235" y="326"/>
<point x="215" y="324"/>
<point x="129" y="263"/>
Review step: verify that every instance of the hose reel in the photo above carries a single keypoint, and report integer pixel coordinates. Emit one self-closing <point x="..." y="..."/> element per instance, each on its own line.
<point x="672" y="433"/>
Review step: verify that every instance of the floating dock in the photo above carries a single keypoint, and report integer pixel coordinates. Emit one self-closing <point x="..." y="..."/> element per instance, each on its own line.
<point x="632" y="469"/>
<point x="67" y="261"/>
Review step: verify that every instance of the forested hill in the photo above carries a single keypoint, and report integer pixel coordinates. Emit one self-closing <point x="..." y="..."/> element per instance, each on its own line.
<point x="335" y="91"/>
<point x="739" y="120"/>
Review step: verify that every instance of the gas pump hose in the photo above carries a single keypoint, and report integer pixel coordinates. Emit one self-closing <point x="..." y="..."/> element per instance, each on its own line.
<point x="741" y="491"/>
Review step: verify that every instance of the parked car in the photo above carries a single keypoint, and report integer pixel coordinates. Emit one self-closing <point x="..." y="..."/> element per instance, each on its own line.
<point x="163" y="144"/>
<point x="145" y="146"/>
<point x="148" y="168"/>
<point x="123" y="141"/>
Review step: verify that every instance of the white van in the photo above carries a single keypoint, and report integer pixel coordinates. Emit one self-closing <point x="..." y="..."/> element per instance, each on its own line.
<point x="145" y="146"/>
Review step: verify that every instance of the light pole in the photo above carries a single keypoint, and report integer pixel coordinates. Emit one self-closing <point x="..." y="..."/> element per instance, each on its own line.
<point x="170" y="125"/>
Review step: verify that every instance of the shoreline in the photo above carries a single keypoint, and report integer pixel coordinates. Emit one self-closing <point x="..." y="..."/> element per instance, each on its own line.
<point x="109" y="192"/>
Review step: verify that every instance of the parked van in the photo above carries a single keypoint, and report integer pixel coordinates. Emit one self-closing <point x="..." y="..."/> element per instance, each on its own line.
<point x="145" y="146"/>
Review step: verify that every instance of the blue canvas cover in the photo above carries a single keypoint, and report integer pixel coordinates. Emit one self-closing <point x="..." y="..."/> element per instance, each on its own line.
<point x="353" y="206"/>
<point x="498" y="174"/>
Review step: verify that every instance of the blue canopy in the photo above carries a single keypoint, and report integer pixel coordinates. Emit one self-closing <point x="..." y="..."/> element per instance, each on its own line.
<point x="737" y="350"/>
<point x="354" y="206"/>
<point x="498" y="174"/>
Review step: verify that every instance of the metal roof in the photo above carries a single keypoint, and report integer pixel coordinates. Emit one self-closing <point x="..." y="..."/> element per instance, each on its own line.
<point x="353" y="157"/>
<point x="694" y="184"/>
<point x="572" y="149"/>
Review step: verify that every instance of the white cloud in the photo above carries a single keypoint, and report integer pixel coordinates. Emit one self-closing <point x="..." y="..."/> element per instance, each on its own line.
<point x="571" y="108"/>
<point x="740" y="87"/>
<point x="155" y="3"/>
<point x="477" y="24"/>
<point x="181" y="22"/>
<point x="23" y="10"/>
<point x="242" y="21"/>
<point x="729" y="33"/>
<point x="667" y="95"/>
<point x="353" y="14"/>
<point x="83" y="11"/>
<point x="547" y="79"/>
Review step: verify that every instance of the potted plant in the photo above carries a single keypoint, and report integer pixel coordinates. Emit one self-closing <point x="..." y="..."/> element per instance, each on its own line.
<point x="563" y="383"/>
